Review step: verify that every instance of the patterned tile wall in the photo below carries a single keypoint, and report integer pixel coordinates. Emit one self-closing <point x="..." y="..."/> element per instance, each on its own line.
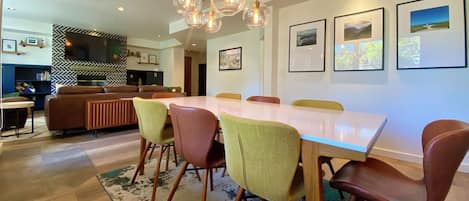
<point x="62" y="73"/>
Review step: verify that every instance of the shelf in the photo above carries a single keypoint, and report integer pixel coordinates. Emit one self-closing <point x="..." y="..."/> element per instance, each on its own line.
<point x="39" y="45"/>
<point x="17" y="53"/>
<point x="37" y="94"/>
<point x="148" y="63"/>
<point x="33" y="80"/>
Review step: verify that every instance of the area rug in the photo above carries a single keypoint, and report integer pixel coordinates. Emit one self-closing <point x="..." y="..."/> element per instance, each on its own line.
<point x="117" y="185"/>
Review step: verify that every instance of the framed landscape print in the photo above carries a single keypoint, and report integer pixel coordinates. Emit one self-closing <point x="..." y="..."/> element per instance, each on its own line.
<point x="358" y="41"/>
<point x="9" y="45"/>
<point x="231" y="59"/>
<point x="307" y="47"/>
<point x="431" y="34"/>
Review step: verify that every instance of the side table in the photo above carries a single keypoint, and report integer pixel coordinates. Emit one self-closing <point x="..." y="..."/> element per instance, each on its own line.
<point x="16" y="106"/>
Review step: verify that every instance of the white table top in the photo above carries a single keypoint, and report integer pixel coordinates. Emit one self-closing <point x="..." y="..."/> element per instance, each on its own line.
<point x="348" y="130"/>
<point x="16" y="105"/>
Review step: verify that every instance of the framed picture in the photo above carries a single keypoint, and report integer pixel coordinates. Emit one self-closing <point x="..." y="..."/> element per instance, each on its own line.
<point x="359" y="41"/>
<point x="9" y="45"/>
<point x="231" y="59"/>
<point x="307" y="47"/>
<point x="431" y="34"/>
<point x="32" y="41"/>
<point x="143" y="58"/>
<point x="152" y="59"/>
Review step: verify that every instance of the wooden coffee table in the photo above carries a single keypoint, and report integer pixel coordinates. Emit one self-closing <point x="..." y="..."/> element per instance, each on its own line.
<point x="17" y="106"/>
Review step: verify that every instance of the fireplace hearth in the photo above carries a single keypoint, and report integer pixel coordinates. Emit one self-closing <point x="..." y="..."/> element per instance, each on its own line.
<point x="91" y="80"/>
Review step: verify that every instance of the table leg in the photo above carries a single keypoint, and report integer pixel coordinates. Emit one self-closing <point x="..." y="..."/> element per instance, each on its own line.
<point x="32" y="120"/>
<point x="143" y="146"/>
<point x="311" y="171"/>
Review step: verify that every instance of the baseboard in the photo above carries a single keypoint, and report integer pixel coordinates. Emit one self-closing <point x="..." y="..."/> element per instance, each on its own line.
<point x="464" y="167"/>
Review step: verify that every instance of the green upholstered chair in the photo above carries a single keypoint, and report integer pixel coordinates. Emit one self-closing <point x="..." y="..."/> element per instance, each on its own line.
<point x="152" y="126"/>
<point x="322" y="104"/>
<point x="229" y="95"/>
<point x="262" y="157"/>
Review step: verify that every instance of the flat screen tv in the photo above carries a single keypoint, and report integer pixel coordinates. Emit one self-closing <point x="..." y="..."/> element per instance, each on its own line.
<point x="82" y="47"/>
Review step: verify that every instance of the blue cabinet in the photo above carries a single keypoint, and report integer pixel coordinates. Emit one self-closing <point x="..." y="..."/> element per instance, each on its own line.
<point x="8" y="78"/>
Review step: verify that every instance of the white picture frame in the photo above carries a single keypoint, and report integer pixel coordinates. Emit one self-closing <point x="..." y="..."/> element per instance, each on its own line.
<point x="9" y="45"/>
<point x="359" y="41"/>
<point x="152" y="59"/>
<point x="143" y="58"/>
<point x="307" y="47"/>
<point x="431" y="34"/>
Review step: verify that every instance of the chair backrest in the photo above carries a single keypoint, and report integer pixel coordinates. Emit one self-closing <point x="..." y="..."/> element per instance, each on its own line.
<point x="229" y="95"/>
<point x="261" y="156"/>
<point x="167" y="95"/>
<point x="445" y="143"/>
<point x="321" y="104"/>
<point x="265" y="99"/>
<point x="194" y="133"/>
<point x="151" y="119"/>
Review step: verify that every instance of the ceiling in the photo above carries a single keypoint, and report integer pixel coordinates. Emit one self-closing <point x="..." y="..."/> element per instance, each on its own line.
<point x="145" y="19"/>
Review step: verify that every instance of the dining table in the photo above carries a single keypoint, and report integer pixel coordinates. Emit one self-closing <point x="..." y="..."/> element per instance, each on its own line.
<point x="338" y="134"/>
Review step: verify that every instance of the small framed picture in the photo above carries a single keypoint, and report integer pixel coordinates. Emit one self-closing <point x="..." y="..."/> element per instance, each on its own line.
<point x="307" y="47"/>
<point x="9" y="45"/>
<point x="143" y="58"/>
<point x="32" y="41"/>
<point x="231" y="59"/>
<point x="152" y="59"/>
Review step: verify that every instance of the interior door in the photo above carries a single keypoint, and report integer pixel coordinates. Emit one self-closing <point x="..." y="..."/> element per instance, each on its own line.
<point x="188" y="75"/>
<point x="202" y="79"/>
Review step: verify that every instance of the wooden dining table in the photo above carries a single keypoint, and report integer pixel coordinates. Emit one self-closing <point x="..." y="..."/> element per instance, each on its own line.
<point x="337" y="134"/>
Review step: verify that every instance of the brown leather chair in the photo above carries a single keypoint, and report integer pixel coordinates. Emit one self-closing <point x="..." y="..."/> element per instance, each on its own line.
<point x="194" y="135"/>
<point x="265" y="99"/>
<point x="167" y="95"/>
<point x="444" y="142"/>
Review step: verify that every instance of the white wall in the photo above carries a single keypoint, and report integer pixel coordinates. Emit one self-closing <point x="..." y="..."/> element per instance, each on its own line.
<point x="172" y="63"/>
<point x="410" y="99"/>
<point x="18" y="30"/>
<point x="246" y="81"/>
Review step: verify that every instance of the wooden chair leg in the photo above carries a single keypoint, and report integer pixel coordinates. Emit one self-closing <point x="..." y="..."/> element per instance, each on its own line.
<point x="168" y="150"/>
<point x="157" y="174"/>
<point x="204" y="189"/>
<point x="239" y="194"/>
<point x="175" y="155"/>
<point x="211" y="179"/>
<point x="151" y="152"/>
<point x="178" y="179"/>
<point x="197" y="173"/>
<point x="140" y="164"/>
<point x="224" y="172"/>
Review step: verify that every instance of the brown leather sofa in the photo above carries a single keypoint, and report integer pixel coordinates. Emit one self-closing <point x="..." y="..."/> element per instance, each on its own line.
<point x="9" y="116"/>
<point x="67" y="109"/>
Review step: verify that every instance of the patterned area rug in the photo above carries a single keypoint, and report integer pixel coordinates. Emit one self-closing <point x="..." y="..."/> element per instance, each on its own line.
<point x="117" y="185"/>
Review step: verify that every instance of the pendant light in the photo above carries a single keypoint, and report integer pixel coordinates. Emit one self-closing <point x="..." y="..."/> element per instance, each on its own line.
<point x="228" y="7"/>
<point x="255" y="15"/>
<point x="212" y="20"/>
<point x="194" y="19"/>
<point x="186" y="6"/>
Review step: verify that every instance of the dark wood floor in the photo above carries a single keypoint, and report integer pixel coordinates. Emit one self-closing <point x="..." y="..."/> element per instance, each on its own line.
<point x="65" y="168"/>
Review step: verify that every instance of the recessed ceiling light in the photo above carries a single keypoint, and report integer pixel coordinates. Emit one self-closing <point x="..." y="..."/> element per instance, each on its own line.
<point x="95" y="30"/>
<point x="159" y="36"/>
<point x="11" y="9"/>
<point x="193" y="44"/>
<point x="120" y="8"/>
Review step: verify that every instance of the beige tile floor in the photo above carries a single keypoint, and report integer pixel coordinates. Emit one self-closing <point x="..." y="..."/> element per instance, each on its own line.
<point x="65" y="168"/>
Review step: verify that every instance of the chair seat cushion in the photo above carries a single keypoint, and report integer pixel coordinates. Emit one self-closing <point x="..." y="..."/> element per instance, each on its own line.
<point x="376" y="180"/>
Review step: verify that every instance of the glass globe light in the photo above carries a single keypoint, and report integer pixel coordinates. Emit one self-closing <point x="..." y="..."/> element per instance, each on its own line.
<point x="186" y="6"/>
<point x="212" y="21"/>
<point x="194" y="19"/>
<point x="228" y="7"/>
<point x="255" y="15"/>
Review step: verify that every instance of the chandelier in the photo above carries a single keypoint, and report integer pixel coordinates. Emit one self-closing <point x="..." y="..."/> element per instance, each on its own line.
<point x="254" y="14"/>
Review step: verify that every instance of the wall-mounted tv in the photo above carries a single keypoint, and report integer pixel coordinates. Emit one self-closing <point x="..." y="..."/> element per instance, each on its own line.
<point x="82" y="47"/>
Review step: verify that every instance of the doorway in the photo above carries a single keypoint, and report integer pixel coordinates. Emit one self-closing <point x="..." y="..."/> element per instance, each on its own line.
<point x="202" y="79"/>
<point x="188" y="75"/>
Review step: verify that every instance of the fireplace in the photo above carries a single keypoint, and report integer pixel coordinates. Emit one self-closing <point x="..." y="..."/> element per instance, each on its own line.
<point x="91" y="80"/>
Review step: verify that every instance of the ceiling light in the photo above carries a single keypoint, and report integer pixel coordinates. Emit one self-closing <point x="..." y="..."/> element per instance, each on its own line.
<point x="255" y="15"/>
<point x="186" y="6"/>
<point x="212" y="21"/>
<point x="194" y="19"/>
<point x="193" y="44"/>
<point x="95" y="30"/>
<point x="228" y="7"/>
<point x="121" y="9"/>
<point x="11" y="9"/>
<point x="159" y="36"/>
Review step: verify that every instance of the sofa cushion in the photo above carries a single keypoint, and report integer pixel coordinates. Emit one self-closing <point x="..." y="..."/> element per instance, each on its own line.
<point x="79" y="90"/>
<point x="151" y="88"/>
<point x="120" y="89"/>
